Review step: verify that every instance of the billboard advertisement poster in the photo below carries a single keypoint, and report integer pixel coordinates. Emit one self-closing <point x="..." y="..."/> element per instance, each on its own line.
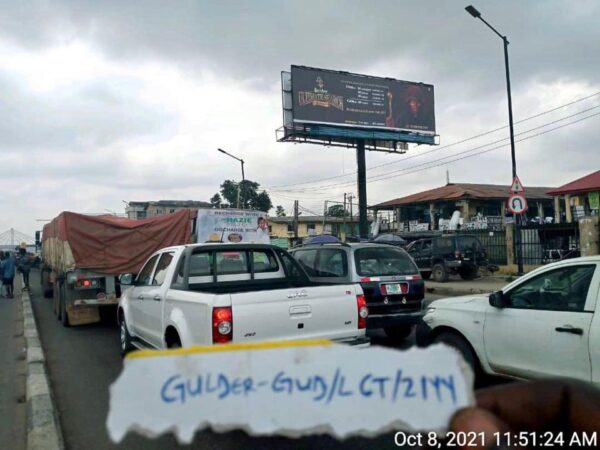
<point x="232" y="225"/>
<point x="351" y="100"/>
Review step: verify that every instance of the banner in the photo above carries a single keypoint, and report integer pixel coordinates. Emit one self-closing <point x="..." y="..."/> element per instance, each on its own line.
<point x="339" y="98"/>
<point x="232" y="225"/>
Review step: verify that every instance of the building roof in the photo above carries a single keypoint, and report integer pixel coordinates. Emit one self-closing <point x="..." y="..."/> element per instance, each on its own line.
<point x="589" y="183"/>
<point x="463" y="191"/>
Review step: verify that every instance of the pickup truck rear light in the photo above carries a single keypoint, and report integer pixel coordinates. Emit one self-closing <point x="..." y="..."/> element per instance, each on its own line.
<point x="363" y="311"/>
<point x="222" y="325"/>
<point x="369" y="279"/>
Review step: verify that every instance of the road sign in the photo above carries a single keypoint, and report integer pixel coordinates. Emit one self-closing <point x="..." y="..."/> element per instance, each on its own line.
<point x="517" y="204"/>
<point x="517" y="187"/>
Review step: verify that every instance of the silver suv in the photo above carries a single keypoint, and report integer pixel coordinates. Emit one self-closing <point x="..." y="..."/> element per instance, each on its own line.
<point x="389" y="277"/>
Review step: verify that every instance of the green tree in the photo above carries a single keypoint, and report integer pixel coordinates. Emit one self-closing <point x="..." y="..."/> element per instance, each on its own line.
<point x="337" y="211"/>
<point x="279" y="211"/>
<point x="216" y="201"/>
<point x="250" y="197"/>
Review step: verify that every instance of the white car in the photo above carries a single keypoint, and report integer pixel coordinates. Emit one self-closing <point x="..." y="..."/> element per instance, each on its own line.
<point x="208" y="294"/>
<point x="545" y="324"/>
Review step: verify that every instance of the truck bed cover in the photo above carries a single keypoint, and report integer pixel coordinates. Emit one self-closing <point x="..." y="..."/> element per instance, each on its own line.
<point x="110" y="244"/>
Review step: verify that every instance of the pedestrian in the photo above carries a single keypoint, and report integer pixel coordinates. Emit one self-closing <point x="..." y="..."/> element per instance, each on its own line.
<point x="8" y="274"/>
<point x="24" y="268"/>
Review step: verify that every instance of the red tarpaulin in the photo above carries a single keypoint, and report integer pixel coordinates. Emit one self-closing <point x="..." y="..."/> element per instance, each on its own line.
<point x="110" y="244"/>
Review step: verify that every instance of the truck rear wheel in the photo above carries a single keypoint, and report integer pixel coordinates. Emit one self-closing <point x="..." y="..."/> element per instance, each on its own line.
<point x="64" y="317"/>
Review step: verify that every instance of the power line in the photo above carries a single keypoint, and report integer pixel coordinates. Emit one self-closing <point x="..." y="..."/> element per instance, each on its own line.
<point x="385" y="175"/>
<point x="445" y="146"/>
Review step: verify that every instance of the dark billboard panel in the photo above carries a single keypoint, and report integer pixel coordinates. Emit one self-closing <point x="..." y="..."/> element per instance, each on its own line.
<point x="351" y="100"/>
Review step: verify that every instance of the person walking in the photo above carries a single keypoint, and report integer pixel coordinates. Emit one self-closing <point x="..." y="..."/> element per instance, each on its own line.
<point x="8" y="274"/>
<point x="24" y="268"/>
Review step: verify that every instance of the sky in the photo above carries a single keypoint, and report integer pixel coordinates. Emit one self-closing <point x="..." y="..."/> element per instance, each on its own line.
<point x="108" y="102"/>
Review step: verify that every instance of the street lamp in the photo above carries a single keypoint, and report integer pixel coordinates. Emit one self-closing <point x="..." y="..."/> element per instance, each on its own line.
<point x="243" y="179"/>
<point x="477" y="15"/>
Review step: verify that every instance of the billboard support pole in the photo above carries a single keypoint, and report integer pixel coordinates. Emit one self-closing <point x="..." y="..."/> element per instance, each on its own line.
<point x="362" y="189"/>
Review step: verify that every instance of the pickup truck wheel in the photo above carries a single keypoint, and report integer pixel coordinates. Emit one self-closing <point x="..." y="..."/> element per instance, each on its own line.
<point x="398" y="333"/>
<point x="462" y="345"/>
<point x="439" y="273"/>
<point x="125" y="338"/>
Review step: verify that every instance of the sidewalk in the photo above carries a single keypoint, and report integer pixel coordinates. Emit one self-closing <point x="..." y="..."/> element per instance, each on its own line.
<point x="13" y="370"/>
<point x="455" y="288"/>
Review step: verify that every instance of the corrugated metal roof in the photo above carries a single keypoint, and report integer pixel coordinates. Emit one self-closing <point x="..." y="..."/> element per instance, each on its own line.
<point x="589" y="183"/>
<point x="462" y="191"/>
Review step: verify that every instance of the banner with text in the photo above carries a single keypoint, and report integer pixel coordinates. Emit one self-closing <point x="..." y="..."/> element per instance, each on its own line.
<point x="232" y="225"/>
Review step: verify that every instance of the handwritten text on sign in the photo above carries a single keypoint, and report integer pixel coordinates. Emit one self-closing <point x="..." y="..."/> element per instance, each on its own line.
<point x="292" y="389"/>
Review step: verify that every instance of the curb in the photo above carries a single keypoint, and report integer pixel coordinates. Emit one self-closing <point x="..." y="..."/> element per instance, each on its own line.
<point x="43" y="431"/>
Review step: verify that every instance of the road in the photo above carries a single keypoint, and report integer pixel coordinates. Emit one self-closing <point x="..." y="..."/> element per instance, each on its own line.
<point x="83" y="362"/>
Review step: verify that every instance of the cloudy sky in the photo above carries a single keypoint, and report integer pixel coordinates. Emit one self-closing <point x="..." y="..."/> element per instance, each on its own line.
<point x="112" y="101"/>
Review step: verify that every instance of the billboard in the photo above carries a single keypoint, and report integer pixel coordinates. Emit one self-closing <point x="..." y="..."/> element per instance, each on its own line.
<point x="232" y="225"/>
<point x="351" y="100"/>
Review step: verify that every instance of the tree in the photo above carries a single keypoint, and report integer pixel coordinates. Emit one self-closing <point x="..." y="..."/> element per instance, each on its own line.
<point x="250" y="197"/>
<point x="279" y="211"/>
<point x="216" y="201"/>
<point x="337" y="211"/>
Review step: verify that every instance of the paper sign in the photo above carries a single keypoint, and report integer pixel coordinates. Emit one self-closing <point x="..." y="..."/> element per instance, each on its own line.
<point x="291" y="389"/>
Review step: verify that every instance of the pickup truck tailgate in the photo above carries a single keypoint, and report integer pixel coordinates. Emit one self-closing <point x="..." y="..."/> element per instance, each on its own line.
<point x="328" y="311"/>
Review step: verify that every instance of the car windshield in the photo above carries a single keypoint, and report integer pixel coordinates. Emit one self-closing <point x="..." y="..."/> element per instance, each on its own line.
<point x="383" y="261"/>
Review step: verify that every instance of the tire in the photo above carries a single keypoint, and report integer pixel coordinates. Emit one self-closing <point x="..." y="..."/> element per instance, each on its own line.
<point x="456" y="341"/>
<point x="56" y="300"/>
<point x="64" y="317"/>
<point x="399" y="333"/>
<point x="426" y="275"/>
<point x="126" y="344"/>
<point x="468" y="273"/>
<point x="439" y="273"/>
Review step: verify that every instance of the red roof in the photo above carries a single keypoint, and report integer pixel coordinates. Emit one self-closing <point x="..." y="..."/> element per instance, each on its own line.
<point x="461" y="191"/>
<point x="589" y="183"/>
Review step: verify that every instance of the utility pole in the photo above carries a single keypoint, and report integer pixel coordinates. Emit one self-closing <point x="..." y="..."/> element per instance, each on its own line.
<point x="350" y="198"/>
<point x="363" y="221"/>
<point x="345" y="232"/>
<point x="324" y="216"/>
<point x="295" y="221"/>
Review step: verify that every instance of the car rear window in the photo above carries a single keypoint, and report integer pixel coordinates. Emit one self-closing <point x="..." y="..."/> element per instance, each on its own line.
<point x="445" y="244"/>
<point x="383" y="261"/>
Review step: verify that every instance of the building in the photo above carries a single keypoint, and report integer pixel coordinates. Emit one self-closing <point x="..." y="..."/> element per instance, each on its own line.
<point x="481" y="206"/>
<point x="145" y="210"/>
<point x="577" y="199"/>
<point x="283" y="227"/>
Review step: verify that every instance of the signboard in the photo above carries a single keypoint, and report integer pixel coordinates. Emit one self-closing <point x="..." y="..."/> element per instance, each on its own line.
<point x="517" y="204"/>
<point x="293" y="388"/>
<point x="232" y="225"/>
<point x="517" y="186"/>
<point x="359" y="101"/>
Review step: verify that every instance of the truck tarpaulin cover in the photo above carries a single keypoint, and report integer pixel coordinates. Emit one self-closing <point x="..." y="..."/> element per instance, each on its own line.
<point x="110" y="244"/>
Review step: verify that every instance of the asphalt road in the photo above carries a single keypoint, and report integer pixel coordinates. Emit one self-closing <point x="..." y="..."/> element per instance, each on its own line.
<point x="12" y="373"/>
<point x="82" y="363"/>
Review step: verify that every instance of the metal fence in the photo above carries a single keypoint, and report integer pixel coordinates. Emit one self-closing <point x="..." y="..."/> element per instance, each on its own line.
<point x="543" y="244"/>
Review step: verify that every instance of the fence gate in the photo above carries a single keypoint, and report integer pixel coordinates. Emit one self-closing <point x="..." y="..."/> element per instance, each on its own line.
<point x="543" y="244"/>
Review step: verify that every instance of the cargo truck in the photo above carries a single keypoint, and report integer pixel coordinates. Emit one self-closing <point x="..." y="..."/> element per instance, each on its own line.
<point x="83" y="256"/>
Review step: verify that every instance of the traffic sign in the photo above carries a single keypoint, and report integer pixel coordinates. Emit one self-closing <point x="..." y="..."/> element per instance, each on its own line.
<point x="516" y="186"/>
<point x="517" y="204"/>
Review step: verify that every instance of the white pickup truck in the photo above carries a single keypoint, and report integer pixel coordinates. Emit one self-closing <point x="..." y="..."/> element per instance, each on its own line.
<point x="206" y="294"/>
<point x="544" y="324"/>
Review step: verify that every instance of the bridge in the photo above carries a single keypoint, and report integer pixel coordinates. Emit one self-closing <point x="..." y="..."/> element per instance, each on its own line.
<point x="12" y="238"/>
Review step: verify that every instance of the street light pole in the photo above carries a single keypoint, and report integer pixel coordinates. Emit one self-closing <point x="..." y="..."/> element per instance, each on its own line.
<point x="476" y="14"/>
<point x="243" y="177"/>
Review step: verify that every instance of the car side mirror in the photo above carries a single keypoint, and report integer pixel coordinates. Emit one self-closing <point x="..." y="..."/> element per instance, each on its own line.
<point x="497" y="299"/>
<point x="126" y="279"/>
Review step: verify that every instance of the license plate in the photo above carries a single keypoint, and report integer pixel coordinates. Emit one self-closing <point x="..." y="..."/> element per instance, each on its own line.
<point x="393" y="288"/>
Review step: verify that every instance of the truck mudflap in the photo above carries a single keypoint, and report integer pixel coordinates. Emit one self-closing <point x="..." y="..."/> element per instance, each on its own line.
<point x="86" y="311"/>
